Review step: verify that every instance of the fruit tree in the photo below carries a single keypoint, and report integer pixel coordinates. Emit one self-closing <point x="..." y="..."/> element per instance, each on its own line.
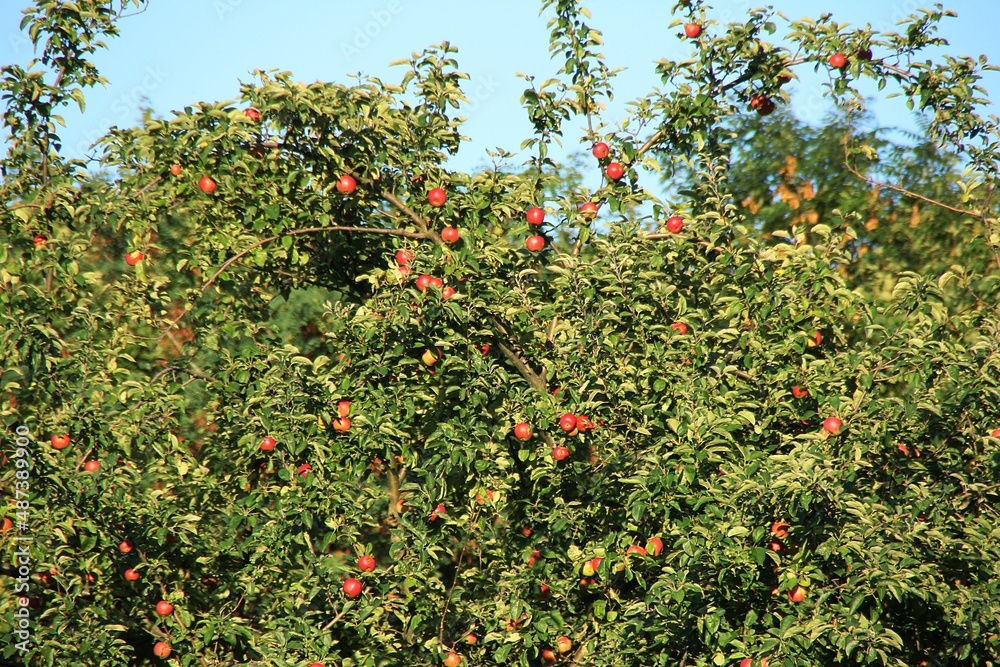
<point x="261" y="410"/>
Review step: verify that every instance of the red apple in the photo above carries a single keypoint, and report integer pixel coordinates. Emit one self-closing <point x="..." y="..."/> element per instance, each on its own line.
<point x="832" y="425"/>
<point x="450" y="234"/>
<point x="560" y="453"/>
<point x="164" y="608"/>
<point x="564" y="644"/>
<point x="435" y="282"/>
<point x="838" y="60"/>
<point x="568" y="422"/>
<point x="583" y="424"/>
<point x="780" y="529"/>
<point x="548" y="656"/>
<point x="343" y="408"/>
<point x="429" y="358"/>
<point x="522" y="431"/>
<point x="484" y="349"/>
<point x="315" y="664"/>
<point x="304" y="469"/>
<point x="267" y="444"/>
<point x="588" y="210"/>
<point x="447" y="293"/>
<point x="60" y="441"/>
<point x="346" y="184"/>
<point x="746" y="662"/>
<point x="615" y="171"/>
<point x="654" y="546"/>
<point x="133" y="258"/>
<point x="799" y="392"/>
<point x="161" y="649"/>
<point x="995" y="433"/>
<point x="544" y="592"/>
<point x="600" y="150"/>
<point x="675" y="223"/>
<point x="797" y="594"/>
<point x="774" y="546"/>
<point x="535" y="243"/>
<point x="452" y="659"/>
<point x="342" y="424"/>
<point x="125" y="547"/>
<point x="404" y="257"/>
<point x="762" y="104"/>
<point x="591" y="566"/>
<point x="352" y="587"/>
<point x="366" y="563"/>
<point x="423" y="281"/>
<point x="471" y="638"/>
<point x="207" y="184"/>
<point x="679" y="327"/>
<point x="437" y="197"/>
<point x="175" y="169"/>
<point x="692" y="30"/>
<point x="131" y="575"/>
<point x="40" y="241"/>
<point x="252" y="114"/>
<point x="535" y="216"/>
<point x="636" y="550"/>
<point x="92" y="465"/>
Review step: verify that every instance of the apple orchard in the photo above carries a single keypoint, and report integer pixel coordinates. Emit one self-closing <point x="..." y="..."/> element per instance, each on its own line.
<point x="300" y="395"/>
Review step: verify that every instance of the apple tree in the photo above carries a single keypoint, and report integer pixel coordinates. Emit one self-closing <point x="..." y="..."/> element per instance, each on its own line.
<point x="281" y="388"/>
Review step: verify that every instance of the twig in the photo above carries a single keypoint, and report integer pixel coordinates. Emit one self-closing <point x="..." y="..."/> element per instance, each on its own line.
<point x="334" y="620"/>
<point x="534" y="379"/>
<point x="311" y="230"/>
<point x="649" y="142"/>
<point x="451" y="592"/>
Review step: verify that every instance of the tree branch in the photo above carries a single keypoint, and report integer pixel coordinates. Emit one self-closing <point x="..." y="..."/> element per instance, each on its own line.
<point x="534" y="379"/>
<point x="311" y="230"/>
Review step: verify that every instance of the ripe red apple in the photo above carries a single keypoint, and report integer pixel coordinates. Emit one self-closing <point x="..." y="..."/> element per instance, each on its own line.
<point x="175" y="169"/>
<point x="366" y="563"/>
<point x="774" y="546"/>
<point x="125" y="547"/>
<point x="746" y="662"/>
<point x="780" y="529"/>
<point x="346" y="184"/>
<point x="815" y="339"/>
<point x="131" y="575"/>
<point x="522" y="431"/>
<point x="304" y="469"/>
<point x="352" y="587"/>
<point x="40" y="241"/>
<point x="615" y="171"/>
<point x="535" y="556"/>
<point x="92" y="465"/>
<point x="484" y="349"/>
<point x="568" y="422"/>
<point x="315" y="664"/>
<point x="423" y="281"/>
<point x="161" y="649"/>
<point x="435" y="282"/>
<point x="680" y="328"/>
<point x="692" y="30"/>
<point x="7" y="525"/>
<point x="583" y="424"/>
<point x="341" y="424"/>
<point x="564" y="644"/>
<point x="560" y="453"/>
<point x="429" y="358"/>
<point x="207" y="184"/>
<point x="535" y="216"/>
<point x="450" y="234"/>
<point x="437" y="197"/>
<point x="636" y="550"/>
<point x="544" y="592"/>
<point x="548" y="656"/>
<point x="60" y="441"/>
<point x="343" y="408"/>
<point x="838" y="60"/>
<point x="654" y="546"/>
<point x="526" y="531"/>
<point x="799" y="392"/>
<point x="588" y="210"/>
<point x="797" y="594"/>
<point x="452" y="659"/>
<point x="471" y="638"/>
<point x="267" y="444"/>
<point x="600" y="150"/>
<point x="762" y="104"/>
<point x="995" y="433"/>
<point x="675" y="223"/>
<point x="164" y="608"/>
<point x="535" y="243"/>
<point x="591" y="566"/>
<point x="404" y="257"/>
<point x="832" y="425"/>
<point x="133" y="258"/>
<point x="252" y="114"/>
<point x="447" y="293"/>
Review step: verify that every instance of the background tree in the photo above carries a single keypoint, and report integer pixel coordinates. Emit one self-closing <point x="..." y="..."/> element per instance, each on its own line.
<point x="635" y="446"/>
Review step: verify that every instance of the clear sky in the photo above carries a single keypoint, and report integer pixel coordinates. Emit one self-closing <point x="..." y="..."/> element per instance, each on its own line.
<point x="182" y="51"/>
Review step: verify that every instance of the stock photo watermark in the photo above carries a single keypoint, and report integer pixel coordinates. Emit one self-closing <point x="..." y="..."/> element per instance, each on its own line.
<point x="23" y="539"/>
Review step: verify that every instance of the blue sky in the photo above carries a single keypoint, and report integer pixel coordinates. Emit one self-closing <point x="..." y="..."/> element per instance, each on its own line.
<point x="181" y="51"/>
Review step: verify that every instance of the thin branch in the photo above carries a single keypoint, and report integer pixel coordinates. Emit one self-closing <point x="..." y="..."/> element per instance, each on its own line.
<point x="650" y="142"/>
<point x="451" y="592"/>
<point x="334" y="620"/>
<point x="534" y="379"/>
<point x="311" y="230"/>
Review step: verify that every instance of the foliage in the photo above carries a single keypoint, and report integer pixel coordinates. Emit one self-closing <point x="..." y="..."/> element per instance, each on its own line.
<point x="262" y="305"/>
